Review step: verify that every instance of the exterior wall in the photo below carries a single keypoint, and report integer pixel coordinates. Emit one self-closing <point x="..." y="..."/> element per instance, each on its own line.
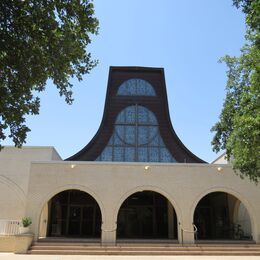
<point x="15" y="166"/>
<point x="26" y="187"/>
<point x="111" y="183"/>
<point x="221" y="159"/>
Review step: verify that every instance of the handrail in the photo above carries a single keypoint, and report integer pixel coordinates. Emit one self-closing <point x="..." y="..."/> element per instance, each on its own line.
<point x="111" y="230"/>
<point x="9" y="227"/>
<point x="191" y="231"/>
<point x="194" y="231"/>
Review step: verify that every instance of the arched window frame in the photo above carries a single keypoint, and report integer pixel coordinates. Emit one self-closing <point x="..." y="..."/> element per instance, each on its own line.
<point x="136" y="87"/>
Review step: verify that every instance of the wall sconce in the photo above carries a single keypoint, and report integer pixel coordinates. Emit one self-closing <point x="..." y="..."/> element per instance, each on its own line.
<point x="147" y="169"/>
<point x="220" y="169"/>
<point x="72" y="166"/>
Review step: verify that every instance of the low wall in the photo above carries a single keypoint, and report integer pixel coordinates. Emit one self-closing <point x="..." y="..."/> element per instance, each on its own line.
<point x="7" y="243"/>
<point x="18" y="244"/>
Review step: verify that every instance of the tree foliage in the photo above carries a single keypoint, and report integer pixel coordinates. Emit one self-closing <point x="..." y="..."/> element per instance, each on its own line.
<point x="40" y="40"/>
<point x="238" y="129"/>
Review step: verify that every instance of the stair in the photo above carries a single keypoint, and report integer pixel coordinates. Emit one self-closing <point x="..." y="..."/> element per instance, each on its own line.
<point x="83" y="248"/>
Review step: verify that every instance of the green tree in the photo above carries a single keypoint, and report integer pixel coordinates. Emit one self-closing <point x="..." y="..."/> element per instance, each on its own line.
<point x="238" y="129"/>
<point x="40" y="40"/>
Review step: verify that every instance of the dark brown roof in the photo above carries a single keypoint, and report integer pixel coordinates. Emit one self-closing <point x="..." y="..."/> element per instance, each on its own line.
<point x="157" y="104"/>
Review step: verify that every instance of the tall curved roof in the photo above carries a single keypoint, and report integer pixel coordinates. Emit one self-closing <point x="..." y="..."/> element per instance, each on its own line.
<point x="122" y="92"/>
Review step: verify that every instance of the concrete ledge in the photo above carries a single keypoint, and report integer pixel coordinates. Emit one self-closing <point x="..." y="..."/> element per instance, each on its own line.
<point x="7" y="243"/>
<point x="22" y="243"/>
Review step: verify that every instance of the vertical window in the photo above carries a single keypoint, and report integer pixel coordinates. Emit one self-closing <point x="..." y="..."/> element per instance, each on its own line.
<point x="136" y="138"/>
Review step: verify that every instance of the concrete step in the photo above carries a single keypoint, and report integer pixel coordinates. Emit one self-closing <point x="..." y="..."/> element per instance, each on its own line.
<point x="73" y="243"/>
<point x="109" y="252"/>
<point x="118" y="248"/>
<point x="66" y="244"/>
<point x="177" y="249"/>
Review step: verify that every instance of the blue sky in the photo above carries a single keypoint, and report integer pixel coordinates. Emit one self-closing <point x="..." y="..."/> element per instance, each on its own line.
<point x="186" y="38"/>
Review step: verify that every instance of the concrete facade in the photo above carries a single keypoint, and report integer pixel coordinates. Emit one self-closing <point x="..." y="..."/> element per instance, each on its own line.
<point x="31" y="176"/>
<point x="15" y="165"/>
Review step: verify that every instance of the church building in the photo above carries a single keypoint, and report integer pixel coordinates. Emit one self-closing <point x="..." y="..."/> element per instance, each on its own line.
<point x="134" y="181"/>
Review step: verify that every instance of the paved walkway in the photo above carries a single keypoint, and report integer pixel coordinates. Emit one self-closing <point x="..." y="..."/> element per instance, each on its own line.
<point x="9" y="256"/>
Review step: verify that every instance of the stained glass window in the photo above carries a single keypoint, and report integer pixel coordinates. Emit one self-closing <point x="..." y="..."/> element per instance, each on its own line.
<point x="136" y="138"/>
<point x="136" y="87"/>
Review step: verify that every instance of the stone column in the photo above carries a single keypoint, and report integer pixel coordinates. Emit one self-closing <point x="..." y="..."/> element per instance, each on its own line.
<point x="185" y="228"/>
<point x="186" y="236"/>
<point x="108" y="236"/>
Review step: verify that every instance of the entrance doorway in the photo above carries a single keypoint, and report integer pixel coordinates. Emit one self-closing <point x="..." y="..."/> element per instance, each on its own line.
<point x="146" y="215"/>
<point x="221" y="216"/>
<point x="74" y="213"/>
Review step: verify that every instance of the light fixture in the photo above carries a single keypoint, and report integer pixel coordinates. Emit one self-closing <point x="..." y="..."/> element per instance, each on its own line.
<point x="72" y="166"/>
<point x="220" y="169"/>
<point x="147" y="167"/>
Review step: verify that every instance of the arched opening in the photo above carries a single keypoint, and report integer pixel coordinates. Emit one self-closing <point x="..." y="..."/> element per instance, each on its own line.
<point x="71" y="213"/>
<point x="221" y="216"/>
<point x="146" y="215"/>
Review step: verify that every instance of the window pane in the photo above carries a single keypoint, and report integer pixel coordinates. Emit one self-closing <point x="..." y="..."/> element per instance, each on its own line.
<point x="151" y="118"/>
<point x="117" y="140"/>
<point x="129" y="154"/>
<point x="136" y="87"/>
<point x="130" y="134"/>
<point x="153" y="154"/>
<point x="130" y="113"/>
<point x="118" y="154"/>
<point x="120" y="130"/>
<point x="142" y="135"/>
<point x="121" y="117"/>
<point x="110" y="142"/>
<point x="149" y="91"/>
<point x="142" y="115"/>
<point x="130" y="87"/>
<point x="142" y="154"/>
<point x="161" y="143"/>
<point x="154" y="141"/>
<point x="152" y="133"/>
<point x="141" y="88"/>
<point x="165" y="155"/>
<point x="107" y="154"/>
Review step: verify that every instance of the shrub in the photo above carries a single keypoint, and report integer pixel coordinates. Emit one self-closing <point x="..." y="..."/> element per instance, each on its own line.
<point x="26" y="221"/>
